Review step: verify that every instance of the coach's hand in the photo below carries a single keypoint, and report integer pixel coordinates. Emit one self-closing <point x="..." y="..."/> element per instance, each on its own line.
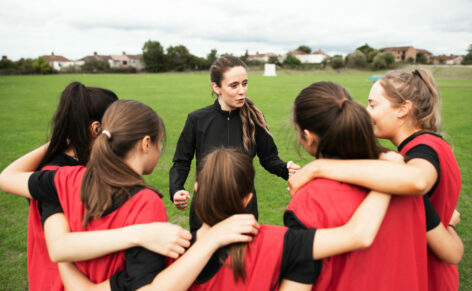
<point x="180" y="199"/>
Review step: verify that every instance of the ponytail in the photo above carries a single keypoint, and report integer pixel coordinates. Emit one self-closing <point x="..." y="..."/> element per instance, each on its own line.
<point x="78" y="107"/>
<point x="108" y="178"/>
<point x="250" y="117"/>
<point x="225" y="178"/>
<point x="343" y="126"/>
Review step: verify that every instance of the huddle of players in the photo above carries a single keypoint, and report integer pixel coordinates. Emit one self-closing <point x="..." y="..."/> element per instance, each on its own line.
<point x="336" y="237"/>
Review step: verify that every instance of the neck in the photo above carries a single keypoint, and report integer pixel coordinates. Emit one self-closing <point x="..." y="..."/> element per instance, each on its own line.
<point x="71" y="153"/>
<point x="224" y="106"/>
<point x="403" y="134"/>
<point x="134" y="163"/>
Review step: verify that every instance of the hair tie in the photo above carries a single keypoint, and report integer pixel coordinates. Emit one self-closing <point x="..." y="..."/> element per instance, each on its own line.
<point x="417" y="73"/>
<point x="107" y="133"/>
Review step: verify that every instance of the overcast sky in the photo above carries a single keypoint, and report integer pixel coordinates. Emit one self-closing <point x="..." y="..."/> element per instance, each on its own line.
<point x="75" y="29"/>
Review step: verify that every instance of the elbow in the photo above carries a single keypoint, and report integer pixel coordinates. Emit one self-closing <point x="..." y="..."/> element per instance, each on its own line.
<point x="364" y="237"/>
<point x="456" y="257"/>
<point x="55" y="255"/>
<point x="420" y="187"/>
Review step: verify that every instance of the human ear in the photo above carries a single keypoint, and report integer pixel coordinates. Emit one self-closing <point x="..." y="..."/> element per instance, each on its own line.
<point x="146" y="143"/>
<point x="404" y="109"/>
<point x="195" y="186"/>
<point x="95" y="128"/>
<point x="216" y="88"/>
<point x="247" y="199"/>
<point x="310" y="137"/>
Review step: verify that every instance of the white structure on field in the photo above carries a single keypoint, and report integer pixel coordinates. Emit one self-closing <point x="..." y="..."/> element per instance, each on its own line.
<point x="269" y="70"/>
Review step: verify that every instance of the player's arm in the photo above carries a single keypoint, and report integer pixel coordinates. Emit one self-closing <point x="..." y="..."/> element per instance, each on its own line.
<point x="288" y="285"/>
<point x="65" y="246"/>
<point x="74" y="280"/>
<point x="182" y="273"/>
<point x="14" y="178"/>
<point x="358" y="233"/>
<point x="416" y="177"/>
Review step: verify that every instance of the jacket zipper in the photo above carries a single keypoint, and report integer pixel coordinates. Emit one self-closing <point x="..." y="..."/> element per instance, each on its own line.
<point x="227" y="128"/>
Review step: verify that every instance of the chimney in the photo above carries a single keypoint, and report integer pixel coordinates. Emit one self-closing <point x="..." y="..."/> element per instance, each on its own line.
<point x="94" y="54"/>
<point x="4" y="58"/>
<point x="52" y="54"/>
<point x="124" y="53"/>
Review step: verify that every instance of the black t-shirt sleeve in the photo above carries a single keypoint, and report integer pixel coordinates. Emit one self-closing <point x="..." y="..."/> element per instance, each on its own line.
<point x="297" y="259"/>
<point x="141" y="268"/>
<point x="426" y="152"/>
<point x="432" y="217"/>
<point x="292" y="221"/>
<point x="42" y="188"/>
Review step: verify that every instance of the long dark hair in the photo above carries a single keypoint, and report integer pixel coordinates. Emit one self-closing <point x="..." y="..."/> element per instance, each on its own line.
<point x="343" y="126"/>
<point x="225" y="178"/>
<point x="107" y="177"/>
<point x="78" y="107"/>
<point x="249" y="113"/>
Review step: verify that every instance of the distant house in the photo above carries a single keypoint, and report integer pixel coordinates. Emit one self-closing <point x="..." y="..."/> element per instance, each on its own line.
<point x="402" y="53"/>
<point x="136" y="61"/>
<point x="119" y="61"/>
<point x="407" y="53"/>
<point x="316" y="57"/>
<point x="94" y="57"/>
<point x="58" y="63"/>
<point x="447" y="60"/>
<point x="264" y="58"/>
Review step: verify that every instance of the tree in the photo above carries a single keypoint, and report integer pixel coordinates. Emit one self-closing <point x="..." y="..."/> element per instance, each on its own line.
<point x="304" y="48"/>
<point x="365" y="49"/>
<point x="383" y="60"/>
<point x="42" y="66"/>
<point x="371" y="55"/>
<point x="25" y="66"/>
<point x="356" y="59"/>
<point x="336" y="62"/>
<point x="468" y="57"/>
<point x="212" y="57"/>
<point x="291" y="60"/>
<point x="273" y="60"/>
<point x="153" y="56"/>
<point x="178" y="58"/>
<point x="95" y="66"/>
<point x="421" y="58"/>
<point x="244" y="57"/>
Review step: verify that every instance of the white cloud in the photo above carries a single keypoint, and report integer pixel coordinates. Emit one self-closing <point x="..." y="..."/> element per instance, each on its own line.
<point x="33" y="28"/>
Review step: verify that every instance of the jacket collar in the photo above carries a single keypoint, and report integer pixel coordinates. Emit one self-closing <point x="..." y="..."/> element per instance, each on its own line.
<point x="225" y="113"/>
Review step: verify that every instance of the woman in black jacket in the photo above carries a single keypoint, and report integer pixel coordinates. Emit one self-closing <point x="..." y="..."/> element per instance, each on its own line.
<point x="232" y="121"/>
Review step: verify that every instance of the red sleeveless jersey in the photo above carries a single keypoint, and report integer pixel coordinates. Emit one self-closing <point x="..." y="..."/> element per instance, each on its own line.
<point x="43" y="274"/>
<point x="262" y="263"/>
<point x="143" y="207"/>
<point x="441" y="275"/>
<point x="397" y="258"/>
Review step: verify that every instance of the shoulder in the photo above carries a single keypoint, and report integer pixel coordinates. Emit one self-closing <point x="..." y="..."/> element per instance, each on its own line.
<point x="270" y="235"/>
<point x="202" y="112"/>
<point x="148" y="203"/>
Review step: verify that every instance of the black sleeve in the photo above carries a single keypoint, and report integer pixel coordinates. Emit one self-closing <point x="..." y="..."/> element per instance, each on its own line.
<point x="141" y="268"/>
<point x="432" y="217"/>
<point x="42" y="188"/>
<point x="297" y="259"/>
<point x="269" y="155"/>
<point x="426" y="152"/>
<point x="182" y="158"/>
<point x="292" y="221"/>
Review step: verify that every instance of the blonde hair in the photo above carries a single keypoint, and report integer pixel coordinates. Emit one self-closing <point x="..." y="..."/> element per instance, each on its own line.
<point x="420" y="88"/>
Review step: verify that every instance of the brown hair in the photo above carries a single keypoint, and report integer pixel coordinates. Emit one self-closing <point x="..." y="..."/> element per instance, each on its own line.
<point x="249" y="113"/>
<point x="225" y="178"/>
<point x="343" y="126"/>
<point x="108" y="178"/>
<point x="420" y="88"/>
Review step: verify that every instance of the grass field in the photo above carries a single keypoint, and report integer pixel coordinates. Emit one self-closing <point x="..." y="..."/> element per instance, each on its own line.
<point x="28" y="102"/>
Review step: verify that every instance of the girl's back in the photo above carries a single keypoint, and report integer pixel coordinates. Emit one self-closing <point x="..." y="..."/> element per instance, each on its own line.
<point x="397" y="258"/>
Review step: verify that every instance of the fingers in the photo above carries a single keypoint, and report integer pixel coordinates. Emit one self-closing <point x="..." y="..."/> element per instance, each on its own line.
<point x="180" y="199"/>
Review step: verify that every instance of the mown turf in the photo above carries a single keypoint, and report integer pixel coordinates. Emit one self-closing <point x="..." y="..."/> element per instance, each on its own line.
<point x="28" y="102"/>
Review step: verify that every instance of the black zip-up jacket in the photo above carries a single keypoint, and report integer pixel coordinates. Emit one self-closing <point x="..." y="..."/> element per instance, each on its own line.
<point x="211" y="127"/>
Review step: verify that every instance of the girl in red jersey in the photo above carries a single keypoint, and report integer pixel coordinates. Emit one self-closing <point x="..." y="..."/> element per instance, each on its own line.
<point x="111" y="193"/>
<point x="404" y="108"/>
<point x="331" y="125"/>
<point x="75" y="125"/>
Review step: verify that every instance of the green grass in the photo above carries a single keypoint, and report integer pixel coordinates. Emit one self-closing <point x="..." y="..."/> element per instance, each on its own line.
<point x="28" y="102"/>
